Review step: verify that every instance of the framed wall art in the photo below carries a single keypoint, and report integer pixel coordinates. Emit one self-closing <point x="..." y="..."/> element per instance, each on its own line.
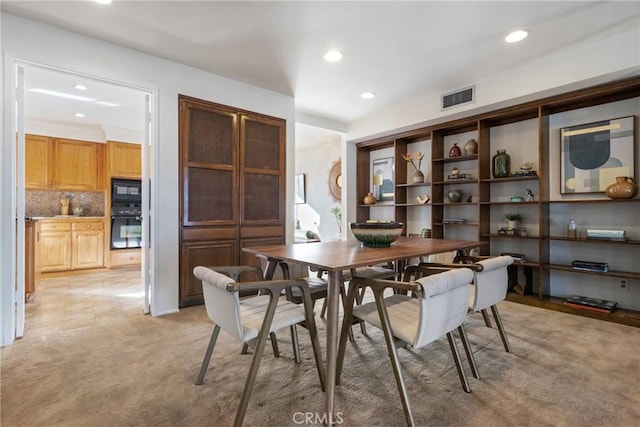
<point x="592" y="155"/>
<point x="383" y="185"/>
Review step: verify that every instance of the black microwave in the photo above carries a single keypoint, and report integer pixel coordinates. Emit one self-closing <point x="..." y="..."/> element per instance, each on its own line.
<point x="126" y="191"/>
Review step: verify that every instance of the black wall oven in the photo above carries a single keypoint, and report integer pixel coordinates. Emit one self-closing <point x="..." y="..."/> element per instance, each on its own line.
<point x="126" y="214"/>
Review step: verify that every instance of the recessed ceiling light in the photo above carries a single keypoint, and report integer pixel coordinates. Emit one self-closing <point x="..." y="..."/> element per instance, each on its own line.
<point x="516" y="36"/>
<point x="62" y="94"/>
<point x="80" y="87"/>
<point x="79" y="115"/>
<point x="103" y="1"/>
<point x="367" y="95"/>
<point x="333" y="56"/>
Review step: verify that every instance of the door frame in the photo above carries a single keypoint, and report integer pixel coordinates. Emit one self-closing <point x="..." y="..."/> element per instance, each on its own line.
<point x="12" y="200"/>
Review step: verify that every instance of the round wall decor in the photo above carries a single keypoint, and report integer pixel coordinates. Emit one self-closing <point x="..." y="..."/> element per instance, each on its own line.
<point x="335" y="181"/>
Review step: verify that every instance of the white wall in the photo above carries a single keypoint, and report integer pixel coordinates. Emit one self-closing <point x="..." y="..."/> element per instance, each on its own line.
<point x="597" y="59"/>
<point x="30" y="41"/>
<point x="316" y="162"/>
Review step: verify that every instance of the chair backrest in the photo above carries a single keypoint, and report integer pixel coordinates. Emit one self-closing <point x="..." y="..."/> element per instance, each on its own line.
<point x="223" y="307"/>
<point x="491" y="283"/>
<point x="442" y="258"/>
<point x="443" y="306"/>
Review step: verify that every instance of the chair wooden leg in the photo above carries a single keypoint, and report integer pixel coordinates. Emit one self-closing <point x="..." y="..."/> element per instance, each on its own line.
<point x="207" y="355"/>
<point x="245" y="348"/>
<point x="359" y="298"/>
<point x="468" y="352"/>
<point x="485" y="316"/>
<point x="347" y="321"/>
<point x="294" y="342"/>
<point x="323" y="310"/>
<point x="313" y="335"/>
<point x="343" y="297"/>
<point x="503" y="334"/>
<point x="255" y="362"/>
<point x="274" y="344"/>
<point x="456" y="358"/>
<point x="393" y="355"/>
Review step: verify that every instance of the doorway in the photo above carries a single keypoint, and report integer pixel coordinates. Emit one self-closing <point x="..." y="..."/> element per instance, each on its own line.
<point x="64" y="104"/>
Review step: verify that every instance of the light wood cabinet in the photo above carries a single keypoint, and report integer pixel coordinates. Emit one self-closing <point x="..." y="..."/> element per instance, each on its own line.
<point x="63" y="245"/>
<point x="87" y="248"/>
<point x="125" y="160"/>
<point x="76" y="165"/>
<point x="38" y="162"/>
<point x="53" y="246"/>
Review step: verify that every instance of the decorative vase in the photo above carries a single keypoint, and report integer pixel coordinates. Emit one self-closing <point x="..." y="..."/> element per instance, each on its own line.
<point x="418" y="176"/>
<point x="369" y="199"/>
<point x="511" y="223"/>
<point x="471" y="147"/>
<point x="455" y="151"/>
<point x="455" y="196"/>
<point x="623" y="188"/>
<point x="501" y="164"/>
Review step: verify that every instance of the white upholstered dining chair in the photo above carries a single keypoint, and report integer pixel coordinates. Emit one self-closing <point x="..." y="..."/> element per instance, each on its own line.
<point x="251" y="320"/>
<point x="437" y="306"/>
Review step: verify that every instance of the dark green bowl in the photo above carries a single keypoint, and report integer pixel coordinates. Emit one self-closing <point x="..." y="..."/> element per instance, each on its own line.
<point x="377" y="234"/>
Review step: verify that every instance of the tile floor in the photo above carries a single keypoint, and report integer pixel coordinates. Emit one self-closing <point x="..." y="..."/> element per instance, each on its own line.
<point x="93" y="299"/>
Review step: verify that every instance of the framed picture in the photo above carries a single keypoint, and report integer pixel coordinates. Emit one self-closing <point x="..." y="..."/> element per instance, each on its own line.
<point x="300" y="193"/>
<point x="592" y="155"/>
<point x="383" y="185"/>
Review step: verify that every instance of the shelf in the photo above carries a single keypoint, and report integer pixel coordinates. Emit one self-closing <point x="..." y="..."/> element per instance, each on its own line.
<point x="456" y="182"/>
<point x="508" y="236"/>
<point x="473" y="224"/>
<point x="510" y="203"/>
<point x="619" y="315"/>
<point x="456" y="159"/>
<point x="512" y="178"/>
<point x="379" y="205"/>
<point x="418" y="184"/>
<point x="412" y="204"/>
<point x="615" y="242"/>
<point x="610" y="273"/>
<point x="593" y="201"/>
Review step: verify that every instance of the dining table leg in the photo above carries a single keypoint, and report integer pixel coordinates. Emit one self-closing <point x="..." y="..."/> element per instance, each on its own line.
<point x="333" y="302"/>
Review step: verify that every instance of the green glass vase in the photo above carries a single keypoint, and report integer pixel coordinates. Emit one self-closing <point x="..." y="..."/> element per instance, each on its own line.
<point x="501" y="164"/>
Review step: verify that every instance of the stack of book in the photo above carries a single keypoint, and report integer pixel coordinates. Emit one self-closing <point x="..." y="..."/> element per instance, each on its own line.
<point x="594" y="304"/>
<point x="597" y="267"/>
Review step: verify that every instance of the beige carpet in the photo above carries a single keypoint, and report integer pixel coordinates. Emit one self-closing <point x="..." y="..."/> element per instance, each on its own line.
<point x="566" y="370"/>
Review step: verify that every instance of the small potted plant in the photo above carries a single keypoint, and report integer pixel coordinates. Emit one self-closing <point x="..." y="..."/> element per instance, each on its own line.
<point x="513" y="219"/>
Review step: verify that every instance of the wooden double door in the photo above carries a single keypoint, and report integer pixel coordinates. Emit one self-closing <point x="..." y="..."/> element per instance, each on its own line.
<point x="232" y="171"/>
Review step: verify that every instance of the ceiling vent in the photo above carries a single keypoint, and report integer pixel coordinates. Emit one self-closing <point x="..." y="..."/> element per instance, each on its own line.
<point x="459" y="97"/>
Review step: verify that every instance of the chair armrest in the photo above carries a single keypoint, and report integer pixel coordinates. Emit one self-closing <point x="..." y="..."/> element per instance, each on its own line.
<point x="272" y="286"/>
<point x="235" y="271"/>
<point x="423" y="266"/>
<point x="470" y="259"/>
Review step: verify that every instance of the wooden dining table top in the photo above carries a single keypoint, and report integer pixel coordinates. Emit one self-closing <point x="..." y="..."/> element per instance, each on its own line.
<point x="346" y="254"/>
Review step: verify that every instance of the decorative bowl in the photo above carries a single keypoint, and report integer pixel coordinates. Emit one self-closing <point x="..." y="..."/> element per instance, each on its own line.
<point x="377" y="234"/>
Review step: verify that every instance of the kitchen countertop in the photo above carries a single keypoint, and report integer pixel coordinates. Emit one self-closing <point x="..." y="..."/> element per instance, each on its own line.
<point x="63" y="217"/>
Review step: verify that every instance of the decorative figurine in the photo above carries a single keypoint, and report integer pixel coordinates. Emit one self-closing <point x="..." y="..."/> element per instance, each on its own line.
<point x="530" y="196"/>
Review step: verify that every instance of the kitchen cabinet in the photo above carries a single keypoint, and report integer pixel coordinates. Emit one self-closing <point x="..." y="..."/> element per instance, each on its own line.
<point x="69" y="244"/>
<point x="125" y="160"/>
<point x="38" y="162"/>
<point x="77" y="165"/>
<point x="530" y="132"/>
<point x="87" y="248"/>
<point x="232" y="169"/>
<point x="53" y="239"/>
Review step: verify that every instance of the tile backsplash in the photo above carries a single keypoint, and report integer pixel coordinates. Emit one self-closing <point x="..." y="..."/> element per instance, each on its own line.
<point x="47" y="203"/>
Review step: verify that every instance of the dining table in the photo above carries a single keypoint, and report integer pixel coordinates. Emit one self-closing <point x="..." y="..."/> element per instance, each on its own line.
<point x="338" y="256"/>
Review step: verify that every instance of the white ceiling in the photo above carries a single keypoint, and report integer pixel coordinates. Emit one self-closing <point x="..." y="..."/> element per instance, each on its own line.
<point x="395" y="49"/>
